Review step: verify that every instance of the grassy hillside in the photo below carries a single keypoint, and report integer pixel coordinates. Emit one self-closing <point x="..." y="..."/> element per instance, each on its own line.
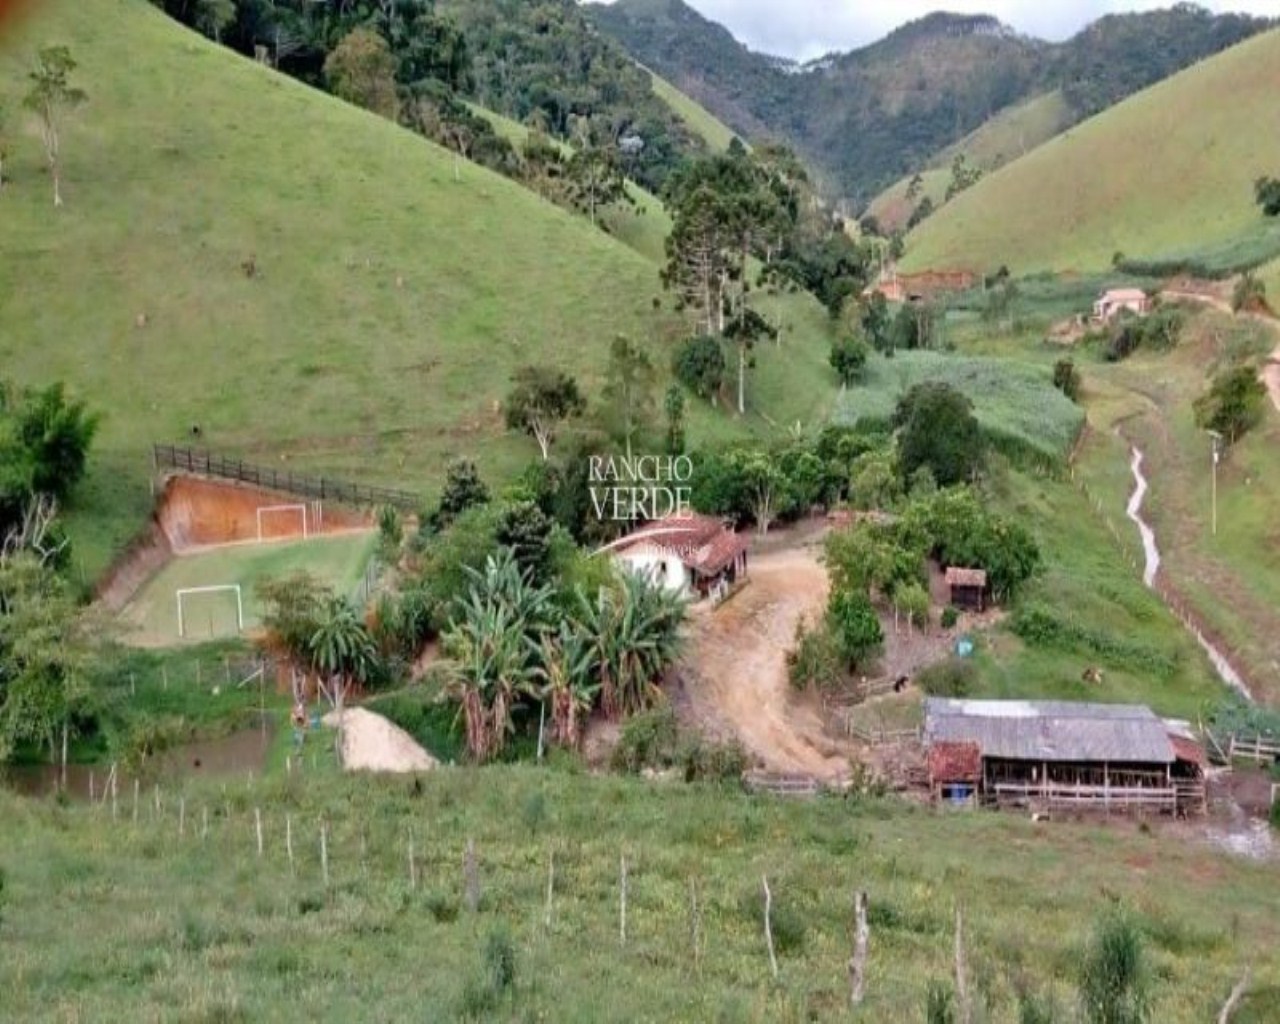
<point x="1169" y="170"/>
<point x="117" y="921"/>
<point x="714" y="132"/>
<point x="390" y="304"/>
<point x="1011" y="133"/>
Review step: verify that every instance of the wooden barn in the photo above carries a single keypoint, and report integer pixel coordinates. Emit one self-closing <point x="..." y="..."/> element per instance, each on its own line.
<point x="968" y="588"/>
<point x="1062" y="756"/>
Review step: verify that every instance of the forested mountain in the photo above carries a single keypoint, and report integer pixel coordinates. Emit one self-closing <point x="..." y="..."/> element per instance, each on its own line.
<point x="539" y="63"/>
<point x="867" y="117"/>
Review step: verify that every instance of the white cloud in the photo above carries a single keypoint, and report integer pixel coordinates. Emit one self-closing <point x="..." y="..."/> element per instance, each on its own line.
<point x="809" y="28"/>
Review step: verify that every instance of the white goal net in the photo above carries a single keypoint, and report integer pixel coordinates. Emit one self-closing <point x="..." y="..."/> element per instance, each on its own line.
<point x="212" y="608"/>
<point x="288" y="513"/>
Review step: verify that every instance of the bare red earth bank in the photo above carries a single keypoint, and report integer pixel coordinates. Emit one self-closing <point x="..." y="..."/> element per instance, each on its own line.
<point x="193" y="512"/>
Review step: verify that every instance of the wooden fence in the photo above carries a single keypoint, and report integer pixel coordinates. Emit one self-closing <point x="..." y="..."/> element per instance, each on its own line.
<point x="203" y="463"/>
<point x="1078" y="796"/>
<point x="1257" y="748"/>
<point x="781" y="784"/>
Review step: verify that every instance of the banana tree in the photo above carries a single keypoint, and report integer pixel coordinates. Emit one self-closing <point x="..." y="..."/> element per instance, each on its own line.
<point x="342" y="654"/>
<point x="565" y="670"/>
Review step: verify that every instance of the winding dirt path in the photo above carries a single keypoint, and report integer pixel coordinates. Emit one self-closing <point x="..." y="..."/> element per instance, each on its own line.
<point x="1270" y="372"/>
<point x="736" y="673"/>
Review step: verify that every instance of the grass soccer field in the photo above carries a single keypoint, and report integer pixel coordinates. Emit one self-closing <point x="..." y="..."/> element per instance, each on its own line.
<point x="151" y="618"/>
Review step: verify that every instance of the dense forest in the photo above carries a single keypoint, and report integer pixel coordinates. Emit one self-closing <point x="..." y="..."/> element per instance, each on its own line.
<point x="866" y="118"/>
<point x="542" y="64"/>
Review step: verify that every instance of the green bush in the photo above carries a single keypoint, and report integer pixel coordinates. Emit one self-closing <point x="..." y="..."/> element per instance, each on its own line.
<point x="699" y="364"/>
<point x="814" y="660"/>
<point x="950" y="616"/>
<point x="955" y="677"/>
<point x="1275" y="815"/>
<point x="1113" y="974"/>
<point x="939" y="1004"/>
<point x="1067" y="379"/>
<point x="853" y="625"/>
<point x="647" y="740"/>
<point x="705" y="761"/>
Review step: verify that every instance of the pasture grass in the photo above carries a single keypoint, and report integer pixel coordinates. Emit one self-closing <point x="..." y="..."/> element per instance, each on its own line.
<point x="150" y="619"/>
<point x="714" y="132"/>
<point x="1014" y="401"/>
<point x="388" y="306"/>
<point x="109" y="920"/>
<point x="1170" y="169"/>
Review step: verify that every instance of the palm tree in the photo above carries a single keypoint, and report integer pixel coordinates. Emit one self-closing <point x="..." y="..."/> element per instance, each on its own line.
<point x="565" y="669"/>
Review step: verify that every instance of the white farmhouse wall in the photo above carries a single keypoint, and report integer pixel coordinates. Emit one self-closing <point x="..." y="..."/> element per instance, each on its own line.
<point x="662" y="566"/>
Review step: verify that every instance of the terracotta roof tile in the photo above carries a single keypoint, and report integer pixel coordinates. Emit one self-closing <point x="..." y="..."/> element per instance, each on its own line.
<point x="955" y="762"/>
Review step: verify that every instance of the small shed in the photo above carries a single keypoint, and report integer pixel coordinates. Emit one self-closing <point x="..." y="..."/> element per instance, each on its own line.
<point x="955" y="771"/>
<point x="968" y="588"/>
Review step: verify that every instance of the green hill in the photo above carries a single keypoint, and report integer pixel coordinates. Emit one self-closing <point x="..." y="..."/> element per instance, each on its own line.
<point x="867" y="117"/>
<point x="389" y="305"/>
<point x="714" y="132"/>
<point x="1011" y="133"/>
<point x="1167" y="172"/>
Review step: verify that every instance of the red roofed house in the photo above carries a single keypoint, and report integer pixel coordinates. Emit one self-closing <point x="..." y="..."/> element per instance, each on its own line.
<point x="694" y="554"/>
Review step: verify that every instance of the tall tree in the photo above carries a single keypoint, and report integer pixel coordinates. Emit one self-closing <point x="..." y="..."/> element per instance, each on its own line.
<point x="744" y="330"/>
<point x="361" y="70"/>
<point x="630" y="379"/>
<point x="541" y="400"/>
<point x="50" y="95"/>
<point x="937" y="428"/>
<point x="673" y="405"/>
<point x="595" y="179"/>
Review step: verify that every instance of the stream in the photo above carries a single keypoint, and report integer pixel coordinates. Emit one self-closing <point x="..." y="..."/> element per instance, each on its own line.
<point x="1134" y="511"/>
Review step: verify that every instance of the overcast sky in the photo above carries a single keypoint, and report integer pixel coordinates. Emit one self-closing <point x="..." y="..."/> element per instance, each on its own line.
<point x="809" y="28"/>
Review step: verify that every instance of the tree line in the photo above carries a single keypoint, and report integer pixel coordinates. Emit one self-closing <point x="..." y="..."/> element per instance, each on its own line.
<point x="419" y="61"/>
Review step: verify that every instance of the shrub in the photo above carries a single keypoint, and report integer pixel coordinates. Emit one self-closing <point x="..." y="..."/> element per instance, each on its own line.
<point x="1250" y="294"/>
<point x="950" y="616"/>
<point x="500" y="961"/>
<point x="786" y="921"/>
<point x="1113" y="974"/>
<point x="1275" y="815"/>
<point x="1034" y="1009"/>
<point x="647" y="740"/>
<point x="954" y="677"/>
<point x="913" y="601"/>
<point x="854" y="626"/>
<point x="1234" y="403"/>
<point x="939" y="1004"/>
<point x="390" y="531"/>
<point x="699" y="364"/>
<point x="705" y="761"/>
<point x="1066" y="378"/>
<point x="814" y="660"/>
<point x="849" y="359"/>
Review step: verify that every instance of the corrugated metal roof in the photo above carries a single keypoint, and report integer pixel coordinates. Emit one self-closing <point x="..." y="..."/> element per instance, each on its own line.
<point x="1051" y="730"/>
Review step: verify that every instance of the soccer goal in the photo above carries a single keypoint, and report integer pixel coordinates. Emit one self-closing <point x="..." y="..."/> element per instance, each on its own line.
<point x="278" y="510"/>
<point x="187" y="592"/>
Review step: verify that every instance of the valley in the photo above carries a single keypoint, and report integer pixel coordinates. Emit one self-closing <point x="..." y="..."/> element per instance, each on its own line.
<point x="339" y="679"/>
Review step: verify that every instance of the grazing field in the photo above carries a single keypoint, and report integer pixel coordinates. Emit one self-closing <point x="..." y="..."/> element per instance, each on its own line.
<point x="120" y="921"/>
<point x="1011" y="133"/>
<point x="1169" y="170"/>
<point x="714" y="132"/>
<point x="1015" y="402"/>
<point x="1231" y="580"/>
<point x="151" y="618"/>
<point x="351" y="308"/>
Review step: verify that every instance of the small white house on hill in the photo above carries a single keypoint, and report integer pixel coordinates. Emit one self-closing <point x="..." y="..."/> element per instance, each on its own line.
<point x="688" y="553"/>
<point x="1118" y="300"/>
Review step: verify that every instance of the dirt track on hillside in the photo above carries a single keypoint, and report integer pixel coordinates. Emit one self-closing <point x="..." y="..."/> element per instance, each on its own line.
<point x="736" y="674"/>
<point x="1270" y="372"/>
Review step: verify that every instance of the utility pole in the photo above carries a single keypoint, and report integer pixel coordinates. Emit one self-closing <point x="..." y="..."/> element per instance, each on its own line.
<point x="1217" y="457"/>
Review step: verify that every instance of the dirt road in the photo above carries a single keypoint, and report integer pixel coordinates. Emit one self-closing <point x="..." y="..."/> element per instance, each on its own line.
<point x="736" y="673"/>
<point x="371" y="743"/>
<point x="1271" y="369"/>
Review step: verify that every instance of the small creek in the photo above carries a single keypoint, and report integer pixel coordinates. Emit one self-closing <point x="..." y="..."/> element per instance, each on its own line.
<point x="239" y="754"/>
<point x="1152" y="552"/>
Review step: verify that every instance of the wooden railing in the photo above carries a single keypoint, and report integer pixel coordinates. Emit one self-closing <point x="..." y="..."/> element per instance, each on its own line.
<point x="1257" y="748"/>
<point x="203" y="463"/>
<point x="1080" y="795"/>
<point x="781" y="784"/>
